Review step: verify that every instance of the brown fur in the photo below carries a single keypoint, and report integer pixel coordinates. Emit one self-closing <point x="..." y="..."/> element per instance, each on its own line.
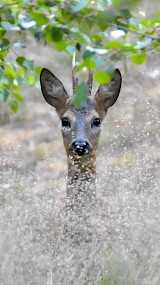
<point x="81" y="189"/>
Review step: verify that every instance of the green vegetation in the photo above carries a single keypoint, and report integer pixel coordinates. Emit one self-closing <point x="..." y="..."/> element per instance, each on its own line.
<point x="109" y="281"/>
<point x="102" y="33"/>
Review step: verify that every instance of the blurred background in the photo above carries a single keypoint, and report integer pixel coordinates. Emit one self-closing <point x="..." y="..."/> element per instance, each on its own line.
<point x="33" y="171"/>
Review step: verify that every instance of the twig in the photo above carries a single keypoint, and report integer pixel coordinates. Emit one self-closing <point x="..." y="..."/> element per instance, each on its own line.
<point x="9" y="4"/>
<point x="134" y="32"/>
<point x="120" y="27"/>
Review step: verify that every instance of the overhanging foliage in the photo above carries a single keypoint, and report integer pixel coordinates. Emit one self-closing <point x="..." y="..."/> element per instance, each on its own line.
<point x="102" y="32"/>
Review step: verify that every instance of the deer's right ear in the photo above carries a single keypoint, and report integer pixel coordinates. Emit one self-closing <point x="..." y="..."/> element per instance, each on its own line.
<point x="107" y="94"/>
<point x="53" y="90"/>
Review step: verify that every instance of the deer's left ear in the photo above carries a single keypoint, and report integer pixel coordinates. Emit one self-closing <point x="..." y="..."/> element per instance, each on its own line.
<point x="107" y="94"/>
<point x="53" y="90"/>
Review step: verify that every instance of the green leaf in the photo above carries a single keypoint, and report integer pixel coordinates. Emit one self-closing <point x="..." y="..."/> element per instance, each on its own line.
<point x="81" y="94"/>
<point x="100" y="62"/>
<point x="90" y="63"/>
<point x="9" y="27"/>
<point x="144" y="43"/>
<point x="79" y="36"/>
<point x="5" y="44"/>
<point x="113" y="45"/>
<point x="16" y="87"/>
<point x="122" y="46"/>
<point x="5" y="94"/>
<point x="28" y="64"/>
<point x="102" y="20"/>
<point x="110" y="14"/>
<point x="38" y="69"/>
<point x="13" y="106"/>
<point x="102" y="77"/>
<point x="139" y="58"/>
<point x="31" y="80"/>
<point x="93" y="62"/>
<point x="61" y="45"/>
<point x="70" y="49"/>
<point x="155" y="21"/>
<point x="19" y="45"/>
<point x="6" y="25"/>
<point x="88" y="53"/>
<point x="1" y="71"/>
<point x="20" y="72"/>
<point x="55" y="35"/>
<point x="102" y="4"/>
<point x="40" y="18"/>
<point x="20" y="60"/>
<point x="79" y="6"/>
<point x="18" y="97"/>
<point x="126" y="13"/>
<point x="27" y="23"/>
<point x="9" y="72"/>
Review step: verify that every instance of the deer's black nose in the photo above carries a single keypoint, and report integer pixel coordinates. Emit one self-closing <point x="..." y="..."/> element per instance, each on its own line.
<point x="80" y="147"/>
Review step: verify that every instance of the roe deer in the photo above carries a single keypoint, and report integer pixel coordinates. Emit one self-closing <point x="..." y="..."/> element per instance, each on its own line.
<point x="80" y="131"/>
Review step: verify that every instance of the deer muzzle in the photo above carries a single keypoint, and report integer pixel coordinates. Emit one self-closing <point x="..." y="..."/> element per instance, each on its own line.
<point x="80" y="147"/>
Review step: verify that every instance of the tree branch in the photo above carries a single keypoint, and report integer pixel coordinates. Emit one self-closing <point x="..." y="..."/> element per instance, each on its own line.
<point x="6" y="5"/>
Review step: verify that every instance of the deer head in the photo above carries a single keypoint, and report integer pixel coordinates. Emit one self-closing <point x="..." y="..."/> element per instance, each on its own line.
<point x="80" y="126"/>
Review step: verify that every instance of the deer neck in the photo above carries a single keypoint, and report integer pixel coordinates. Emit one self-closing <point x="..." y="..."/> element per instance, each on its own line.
<point x="81" y="187"/>
<point x="81" y="198"/>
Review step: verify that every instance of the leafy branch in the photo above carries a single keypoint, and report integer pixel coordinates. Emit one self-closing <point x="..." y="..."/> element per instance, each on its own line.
<point x="102" y="33"/>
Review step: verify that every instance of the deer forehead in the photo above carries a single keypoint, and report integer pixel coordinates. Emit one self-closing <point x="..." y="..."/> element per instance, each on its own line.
<point x="87" y="111"/>
<point x="86" y="108"/>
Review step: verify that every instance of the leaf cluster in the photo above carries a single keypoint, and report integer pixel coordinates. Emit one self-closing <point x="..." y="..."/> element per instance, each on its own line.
<point x="101" y="32"/>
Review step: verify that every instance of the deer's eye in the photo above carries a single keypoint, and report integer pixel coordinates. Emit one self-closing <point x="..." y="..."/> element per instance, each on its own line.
<point x="96" y="122"/>
<point x="66" y="123"/>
